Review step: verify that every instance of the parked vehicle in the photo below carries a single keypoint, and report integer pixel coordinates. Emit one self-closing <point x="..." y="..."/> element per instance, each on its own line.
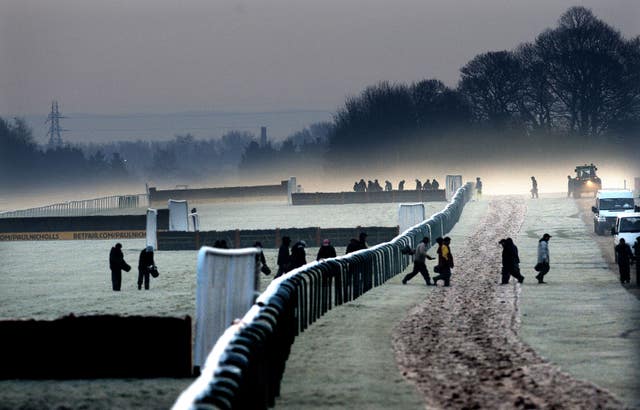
<point x="609" y="204"/>
<point x="627" y="226"/>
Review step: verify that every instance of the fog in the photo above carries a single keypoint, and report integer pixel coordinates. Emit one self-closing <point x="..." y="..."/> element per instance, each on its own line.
<point x="498" y="179"/>
<point x="504" y="178"/>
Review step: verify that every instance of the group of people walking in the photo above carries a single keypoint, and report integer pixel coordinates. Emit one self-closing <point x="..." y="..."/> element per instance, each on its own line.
<point x="428" y="185"/>
<point x="443" y="267"/>
<point x="293" y="257"/>
<point x="374" y="186"/>
<point x="146" y="267"/>
<point x="371" y="186"/>
<point x="290" y="259"/>
<point x="510" y="261"/>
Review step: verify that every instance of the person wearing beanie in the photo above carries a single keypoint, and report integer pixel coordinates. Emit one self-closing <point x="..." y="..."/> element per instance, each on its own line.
<point x="326" y="250"/>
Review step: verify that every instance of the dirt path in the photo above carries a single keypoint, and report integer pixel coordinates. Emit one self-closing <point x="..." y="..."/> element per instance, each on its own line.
<point x="461" y="347"/>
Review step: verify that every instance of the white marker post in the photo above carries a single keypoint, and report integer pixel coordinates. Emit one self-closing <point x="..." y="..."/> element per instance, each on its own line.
<point x="410" y="215"/>
<point x="292" y="187"/>
<point x="226" y="289"/>
<point x="453" y="182"/>
<point x="178" y="215"/>
<point x="152" y="228"/>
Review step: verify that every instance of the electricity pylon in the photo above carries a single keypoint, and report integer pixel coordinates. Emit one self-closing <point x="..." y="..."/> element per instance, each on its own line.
<point x="55" y="132"/>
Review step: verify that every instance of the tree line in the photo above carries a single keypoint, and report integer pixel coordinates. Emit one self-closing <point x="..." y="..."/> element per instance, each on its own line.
<point x="578" y="82"/>
<point x="181" y="159"/>
<point x="23" y="162"/>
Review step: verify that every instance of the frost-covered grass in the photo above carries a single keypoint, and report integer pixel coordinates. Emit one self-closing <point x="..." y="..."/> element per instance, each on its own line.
<point x="46" y="280"/>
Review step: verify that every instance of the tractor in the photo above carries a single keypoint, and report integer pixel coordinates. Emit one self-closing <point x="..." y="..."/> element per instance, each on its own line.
<point x="586" y="181"/>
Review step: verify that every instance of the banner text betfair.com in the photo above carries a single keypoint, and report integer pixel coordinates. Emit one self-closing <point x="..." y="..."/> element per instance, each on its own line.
<point x="66" y="236"/>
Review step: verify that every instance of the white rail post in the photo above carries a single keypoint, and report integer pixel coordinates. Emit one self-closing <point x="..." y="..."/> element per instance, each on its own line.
<point x="225" y="291"/>
<point x="152" y="228"/>
<point x="178" y="215"/>
<point x="453" y="182"/>
<point x="410" y="215"/>
<point x="292" y="187"/>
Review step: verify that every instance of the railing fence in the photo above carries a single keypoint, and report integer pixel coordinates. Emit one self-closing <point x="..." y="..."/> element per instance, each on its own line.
<point x="82" y="207"/>
<point x="246" y="365"/>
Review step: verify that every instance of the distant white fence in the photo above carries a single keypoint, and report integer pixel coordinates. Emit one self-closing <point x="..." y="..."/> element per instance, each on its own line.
<point x="83" y="207"/>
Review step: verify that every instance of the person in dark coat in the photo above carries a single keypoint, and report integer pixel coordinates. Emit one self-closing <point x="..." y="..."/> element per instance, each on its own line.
<point x="352" y="246"/>
<point x="284" y="258"/>
<point x="401" y="185"/>
<point x="534" y="188"/>
<point x="357" y="244"/>
<point x="298" y="255"/>
<point x="117" y="265"/>
<point x="145" y="264"/>
<point x="445" y="261"/>
<point x="435" y="184"/>
<point x="427" y="185"/>
<point x="636" y="250"/>
<point x="326" y="250"/>
<point x="419" y="262"/>
<point x="387" y="185"/>
<point x="544" y="259"/>
<point x="478" y="188"/>
<point x="261" y="261"/>
<point x="221" y="244"/>
<point x="510" y="261"/>
<point x="418" y="185"/>
<point x="624" y="256"/>
<point x="362" y="238"/>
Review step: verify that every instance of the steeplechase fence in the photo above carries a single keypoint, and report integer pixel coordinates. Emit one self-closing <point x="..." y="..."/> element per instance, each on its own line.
<point x="245" y="367"/>
<point x="83" y="207"/>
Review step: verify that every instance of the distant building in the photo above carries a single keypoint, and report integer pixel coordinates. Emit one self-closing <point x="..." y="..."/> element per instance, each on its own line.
<point x="263" y="137"/>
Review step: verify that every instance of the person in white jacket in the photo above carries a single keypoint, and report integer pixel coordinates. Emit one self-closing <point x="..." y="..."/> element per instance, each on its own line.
<point x="543" y="258"/>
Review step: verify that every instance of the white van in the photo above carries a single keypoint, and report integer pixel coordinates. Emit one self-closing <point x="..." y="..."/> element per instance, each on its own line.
<point x="610" y="204"/>
<point x="628" y="227"/>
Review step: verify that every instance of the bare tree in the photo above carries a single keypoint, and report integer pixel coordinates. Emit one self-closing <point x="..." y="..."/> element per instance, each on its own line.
<point x="592" y="71"/>
<point x="538" y="106"/>
<point x="493" y="83"/>
<point x="438" y="107"/>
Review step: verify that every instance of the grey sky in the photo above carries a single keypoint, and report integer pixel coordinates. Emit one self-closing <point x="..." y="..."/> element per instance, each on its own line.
<point x="123" y="56"/>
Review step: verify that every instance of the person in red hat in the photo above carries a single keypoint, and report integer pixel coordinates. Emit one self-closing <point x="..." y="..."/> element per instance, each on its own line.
<point x="326" y="250"/>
